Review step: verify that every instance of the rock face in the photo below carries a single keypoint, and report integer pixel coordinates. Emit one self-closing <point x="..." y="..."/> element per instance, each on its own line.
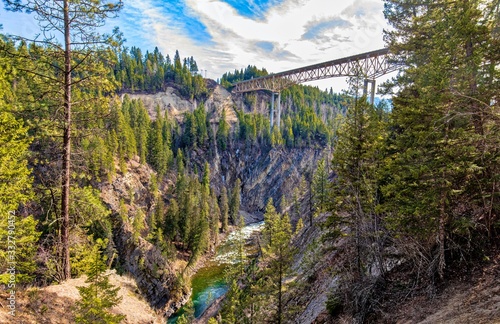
<point x="220" y="100"/>
<point x="264" y="172"/>
<point x="155" y="277"/>
<point x="169" y="100"/>
<point x="172" y="102"/>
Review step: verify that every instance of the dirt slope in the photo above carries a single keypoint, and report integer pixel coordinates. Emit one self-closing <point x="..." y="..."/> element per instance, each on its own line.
<point x="467" y="295"/>
<point x="54" y="304"/>
<point x="474" y="299"/>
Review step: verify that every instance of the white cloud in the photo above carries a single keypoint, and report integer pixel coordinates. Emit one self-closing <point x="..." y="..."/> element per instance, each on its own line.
<point x="293" y="34"/>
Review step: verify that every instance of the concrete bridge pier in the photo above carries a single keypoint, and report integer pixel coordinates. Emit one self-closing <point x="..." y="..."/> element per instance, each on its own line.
<point x="279" y="110"/>
<point x="278" y="118"/>
<point x="372" y="90"/>
<point x="272" y="111"/>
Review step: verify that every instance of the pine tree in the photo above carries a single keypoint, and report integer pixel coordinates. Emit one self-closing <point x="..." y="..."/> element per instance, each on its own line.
<point x="172" y="221"/>
<point x="321" y="187"/>
<point x="99" y="296"/>
<point x="357" y="162"/>
<point x="223" y="131"/>
<point x="443" y="117"/>
<point x="79" y="71"/>
<point x="232" y="309"/>
<point x="234" y="203"/>
<point x="15" y="189"/>
<point x="224" y="209"/>
<point x="158" y="149"/>
<point x="278" y="254"/>
<point x="271" y="218"/>
<point x="138" y="224"/>
<point x="299" y="226"/>
<point x="215" y="216"/>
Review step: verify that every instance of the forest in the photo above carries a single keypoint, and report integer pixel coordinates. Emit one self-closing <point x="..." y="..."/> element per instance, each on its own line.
<point x="420" y="176"/>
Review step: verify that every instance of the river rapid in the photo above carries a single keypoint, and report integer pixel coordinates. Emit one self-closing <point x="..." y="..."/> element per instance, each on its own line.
<point x="209" y="282"/>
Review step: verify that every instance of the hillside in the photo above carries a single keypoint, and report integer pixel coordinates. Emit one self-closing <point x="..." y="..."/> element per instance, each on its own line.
<point x="468" y="295"/>
<point x="55" y="304"/>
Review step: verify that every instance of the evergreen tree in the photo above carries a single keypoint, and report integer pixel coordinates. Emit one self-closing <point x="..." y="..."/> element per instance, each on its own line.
<point x="443" y="116"/>
<point x="278" y="254"/>
<point x="99" y="296"/>
<point x="299" y="226"/>
<point x="223" y="131"/>
<point x="78" y="77"/>
<point x="271" y="219"/>
<point x="232" y="309"/>
<point x="357" y="160"/>
<point x="321" y="187"/>
<point x="224" y="209"/>
<point x="234" y="203"/>
<point x="15" y="189"/>
<point x="215" y="216"/>
<point x="172" y="221"/>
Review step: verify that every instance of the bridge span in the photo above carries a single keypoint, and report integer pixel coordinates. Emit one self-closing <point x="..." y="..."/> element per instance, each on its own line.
<point x="369" y="65"/>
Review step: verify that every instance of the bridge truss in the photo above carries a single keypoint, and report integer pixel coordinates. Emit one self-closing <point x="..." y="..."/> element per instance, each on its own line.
<point x="369" y="65"/>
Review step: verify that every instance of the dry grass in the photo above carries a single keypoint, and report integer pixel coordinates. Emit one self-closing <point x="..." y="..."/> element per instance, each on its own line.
<point x="54" y="304"/>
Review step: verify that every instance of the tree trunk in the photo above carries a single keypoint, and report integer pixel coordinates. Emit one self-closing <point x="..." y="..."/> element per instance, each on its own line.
<point x="442" y="235"/>
<point x="279" y="291"/>
<point x="66" y="162"/>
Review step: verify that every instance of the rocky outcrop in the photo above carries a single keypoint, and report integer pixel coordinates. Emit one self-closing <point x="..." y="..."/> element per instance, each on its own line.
<point x="219" y="100"/>
<point x="171" y="101"/>
<point x="155" y="277"/>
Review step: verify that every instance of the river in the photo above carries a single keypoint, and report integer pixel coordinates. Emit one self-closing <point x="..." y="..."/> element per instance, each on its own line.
<point x="209" y="282"/>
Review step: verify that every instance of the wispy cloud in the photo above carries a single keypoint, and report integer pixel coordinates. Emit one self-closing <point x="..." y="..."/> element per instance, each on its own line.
<point x="363" y="8"/>
<point x="326" y="30"/>
<point x="272" y="50"/>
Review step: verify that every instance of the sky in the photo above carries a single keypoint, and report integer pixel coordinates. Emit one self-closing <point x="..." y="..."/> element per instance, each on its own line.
<point x="223" y="35"/>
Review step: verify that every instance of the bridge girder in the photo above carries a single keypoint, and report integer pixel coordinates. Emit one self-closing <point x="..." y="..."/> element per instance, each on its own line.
<point x="370" y="65"/>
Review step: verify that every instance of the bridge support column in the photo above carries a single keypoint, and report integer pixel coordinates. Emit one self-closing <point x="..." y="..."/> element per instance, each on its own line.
<point x="279" y="110"/>
<point x="272" y="111"/>
<point x="372" y="91"/>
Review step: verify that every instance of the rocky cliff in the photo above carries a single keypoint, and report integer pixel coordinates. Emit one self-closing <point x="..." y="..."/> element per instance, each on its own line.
<point x="154" y="274"/>
<point x="171" y="101"/>
<point x="265" y="172"/>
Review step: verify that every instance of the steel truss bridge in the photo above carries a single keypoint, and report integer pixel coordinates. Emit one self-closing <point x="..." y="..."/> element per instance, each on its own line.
<point x="370" y="66"/>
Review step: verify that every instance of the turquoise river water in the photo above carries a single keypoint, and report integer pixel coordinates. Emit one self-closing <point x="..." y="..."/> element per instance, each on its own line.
<point x="209" y="282"/>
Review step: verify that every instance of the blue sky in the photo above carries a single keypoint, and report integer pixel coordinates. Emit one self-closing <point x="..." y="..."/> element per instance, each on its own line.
<point x="223" y="35"/>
